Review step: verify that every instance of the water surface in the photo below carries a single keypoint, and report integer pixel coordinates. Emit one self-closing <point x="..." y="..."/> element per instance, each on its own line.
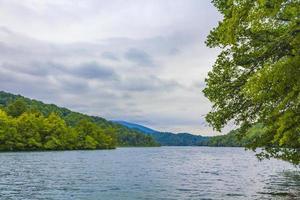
<point x="146" y="173"/>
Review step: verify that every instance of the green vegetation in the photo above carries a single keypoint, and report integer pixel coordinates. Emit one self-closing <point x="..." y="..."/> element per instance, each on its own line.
<point x="229" y="140"/>
<point x="33" y="131"/>
<point x="237" y="138"/>
<point x="27" y="124"/>
<point x="255" y="79"/>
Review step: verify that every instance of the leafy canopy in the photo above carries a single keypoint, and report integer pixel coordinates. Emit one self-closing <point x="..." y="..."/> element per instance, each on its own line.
<point x="34" y="131"/>
<point x="16" y="108"/>
<point x="256" y="77"/>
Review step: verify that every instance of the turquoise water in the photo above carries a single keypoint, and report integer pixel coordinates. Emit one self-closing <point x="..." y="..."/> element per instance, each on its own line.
<point x="146" y="173"/>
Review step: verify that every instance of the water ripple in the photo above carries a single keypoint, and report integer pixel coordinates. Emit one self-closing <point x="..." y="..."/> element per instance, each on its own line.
<point x="167" y="173"/>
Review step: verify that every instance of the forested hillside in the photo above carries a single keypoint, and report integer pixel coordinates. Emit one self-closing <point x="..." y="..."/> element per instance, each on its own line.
<point x="27" y="124"/>
<point x="236" y="138"/>
<point x="30" y="124"/>
<point x="167" y="138"/>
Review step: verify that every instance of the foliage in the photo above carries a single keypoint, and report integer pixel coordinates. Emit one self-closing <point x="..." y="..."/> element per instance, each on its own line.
<point x="229" y="140"/>
<point x="33" y="131"/>
<point x="236" y="138"/>
<point x="32" y="125"/>
<point x="16" y="108"/>
<point x="255" y="79"/>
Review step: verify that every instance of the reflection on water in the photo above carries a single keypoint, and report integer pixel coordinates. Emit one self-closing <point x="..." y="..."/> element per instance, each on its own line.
<point x="146" y="173"/>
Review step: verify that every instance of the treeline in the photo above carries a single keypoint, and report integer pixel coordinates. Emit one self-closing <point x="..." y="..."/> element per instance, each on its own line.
<point x="31" y="130"/>
<point x="179" y="139"/>
<point x="229" y="140"/>
<point x="27" y="124"/>
<point x="239" y="138"/>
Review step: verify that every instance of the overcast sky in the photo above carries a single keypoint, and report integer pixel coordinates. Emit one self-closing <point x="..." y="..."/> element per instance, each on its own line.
<point x="142" y="61"/>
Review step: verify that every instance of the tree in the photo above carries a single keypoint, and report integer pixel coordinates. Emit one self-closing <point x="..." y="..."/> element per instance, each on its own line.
<point x="29" y="127"/>
<point x="256" y="77"/>
<point x="55" y="133"/>
<point x="16" y="108"/>
<point x="9" y="137"/>
<point x="91" y="136"/>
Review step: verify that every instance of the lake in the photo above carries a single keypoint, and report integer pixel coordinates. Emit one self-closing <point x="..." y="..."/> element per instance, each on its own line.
<point x="146" y="173"/>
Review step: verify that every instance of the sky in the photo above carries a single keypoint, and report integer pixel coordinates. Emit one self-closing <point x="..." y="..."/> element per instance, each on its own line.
<point x="141" y="61"/>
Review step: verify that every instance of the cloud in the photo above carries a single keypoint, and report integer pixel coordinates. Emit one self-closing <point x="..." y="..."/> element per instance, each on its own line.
<point x="33" y="68"/>
<point x="93" y="70"/>
<point x="71" y="85"/>
<point x="148" y="83"/>
<point x="119" y="60"/>
<point x="174" y="51"/>
<point x="139" y="57"/>
<point x="110" y="56"/>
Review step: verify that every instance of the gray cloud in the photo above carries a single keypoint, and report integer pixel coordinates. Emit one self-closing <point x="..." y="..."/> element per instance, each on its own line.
<point x="139" y="57"/>
<point x="148" y="83"/>
<point x="128" y="61"/>
<point x="93" y="70"/>
<point x="110" y="56"/>
<point x="40" y="88"/>
<point x="72" y="85"/>
<point x="174" y="51"/>
<point x="33" y="68"/>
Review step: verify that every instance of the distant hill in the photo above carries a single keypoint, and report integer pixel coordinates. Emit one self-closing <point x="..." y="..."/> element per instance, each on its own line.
<point x="236" y="138"/>
<point x="125" y="136"/>
<point x="137" y="127"/>
<point x="167" y="138"/>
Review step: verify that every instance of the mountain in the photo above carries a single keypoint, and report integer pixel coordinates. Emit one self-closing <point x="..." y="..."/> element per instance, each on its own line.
<point x="137" y="127"/>
<point x="167" y="138"/>
<point x="124" y="135"/>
